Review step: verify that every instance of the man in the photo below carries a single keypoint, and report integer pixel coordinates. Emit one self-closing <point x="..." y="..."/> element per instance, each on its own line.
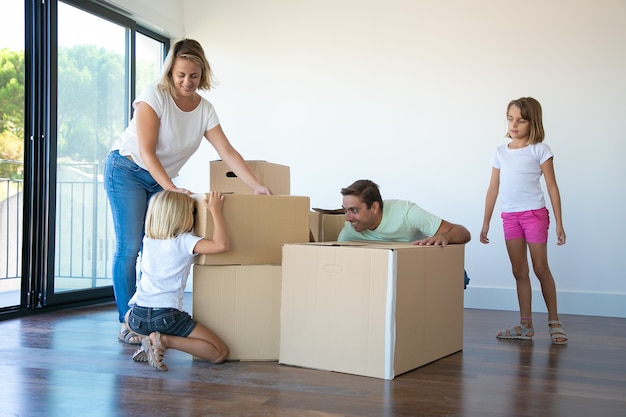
<point x="400" y="221"/>
<point x="369" y="218"/>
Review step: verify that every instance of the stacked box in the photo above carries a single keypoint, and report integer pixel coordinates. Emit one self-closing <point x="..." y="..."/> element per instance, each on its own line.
<point x="325" y="227"/>
<point x="274" y="176"/>
<point x="371" y="309"/>
<point x="236" y="294"/>
<point x="241" y="304"/>
<point x="257" y="226"/>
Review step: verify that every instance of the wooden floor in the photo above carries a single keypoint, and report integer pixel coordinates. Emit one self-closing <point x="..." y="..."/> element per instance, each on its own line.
<point x="70" y="363"/>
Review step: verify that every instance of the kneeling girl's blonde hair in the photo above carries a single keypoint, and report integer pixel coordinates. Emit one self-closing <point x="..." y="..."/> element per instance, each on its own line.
<point x="169" y="215"/>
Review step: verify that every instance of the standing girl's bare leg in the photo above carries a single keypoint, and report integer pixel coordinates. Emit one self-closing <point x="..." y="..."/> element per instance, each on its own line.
<point x="516" y="249"/>
<point x="539" y="257"/>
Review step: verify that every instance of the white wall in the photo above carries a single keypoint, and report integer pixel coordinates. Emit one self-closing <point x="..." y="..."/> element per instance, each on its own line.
<point x="412" y="94"/>
<point x="164" y="17"/>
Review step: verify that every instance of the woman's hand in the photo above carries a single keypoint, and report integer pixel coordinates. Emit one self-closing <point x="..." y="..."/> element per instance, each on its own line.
<point x="261" y="190"/>
<point x="180" y="190"/>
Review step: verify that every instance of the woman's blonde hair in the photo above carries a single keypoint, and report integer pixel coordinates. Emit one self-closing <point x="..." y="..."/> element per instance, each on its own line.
<point x="185" y="49"/>
<point x="169" y="215"/>
<point x="530" y="110"/>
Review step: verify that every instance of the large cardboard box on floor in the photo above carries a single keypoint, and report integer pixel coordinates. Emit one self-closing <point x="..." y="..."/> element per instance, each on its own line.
<point x="241" y="304"/>
<point x="371" y="309"/>
<point x="325" y="227"/>
<point x="274" y="176"/>
<point x="257" y="226"/>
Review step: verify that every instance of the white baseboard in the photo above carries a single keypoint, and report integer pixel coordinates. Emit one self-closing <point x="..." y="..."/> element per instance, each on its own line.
<point x="579" y="303"/>
<point x="585" y="304"/>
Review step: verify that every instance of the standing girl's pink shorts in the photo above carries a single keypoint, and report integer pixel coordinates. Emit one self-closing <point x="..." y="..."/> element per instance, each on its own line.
<point x="531" y="225"/>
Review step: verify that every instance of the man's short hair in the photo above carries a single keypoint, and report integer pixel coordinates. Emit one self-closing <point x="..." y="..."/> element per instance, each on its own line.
<point x="366" y="190"/>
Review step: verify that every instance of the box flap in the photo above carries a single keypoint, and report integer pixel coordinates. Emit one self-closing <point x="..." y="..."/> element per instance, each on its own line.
<point x="367" y="244"/>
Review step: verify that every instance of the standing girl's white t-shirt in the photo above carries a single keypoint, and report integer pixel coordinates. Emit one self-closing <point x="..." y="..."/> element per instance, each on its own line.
<point x="180" y="132"/>
<point x="520" y="172"/>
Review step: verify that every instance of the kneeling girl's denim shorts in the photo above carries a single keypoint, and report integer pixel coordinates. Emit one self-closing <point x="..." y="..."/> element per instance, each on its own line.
<point x="145" y="320"/>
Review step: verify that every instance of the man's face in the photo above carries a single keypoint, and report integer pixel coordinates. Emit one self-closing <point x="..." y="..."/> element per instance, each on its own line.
<point x="359" y="215"/>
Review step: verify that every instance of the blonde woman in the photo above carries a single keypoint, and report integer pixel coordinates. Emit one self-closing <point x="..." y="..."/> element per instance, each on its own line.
<point x="168" y="250"/>
<point x="167" y="127"/>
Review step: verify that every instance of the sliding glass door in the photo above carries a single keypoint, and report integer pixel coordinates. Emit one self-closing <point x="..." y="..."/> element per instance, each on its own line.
<point x="11" y="150"/>
<point x="91" y="111"/>
<point x="65" y="97"/>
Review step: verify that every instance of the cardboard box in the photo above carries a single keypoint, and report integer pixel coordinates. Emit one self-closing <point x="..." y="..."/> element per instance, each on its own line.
<point x="274" y="176"/>
<point x="241" y="304"/>
<point x="325" y="227"/>
<point x="371" y="309"/>
<point x="257" y="225"/>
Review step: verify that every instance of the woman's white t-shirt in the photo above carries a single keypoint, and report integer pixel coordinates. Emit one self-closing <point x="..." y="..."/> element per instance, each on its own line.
<point x="180" y="132"/>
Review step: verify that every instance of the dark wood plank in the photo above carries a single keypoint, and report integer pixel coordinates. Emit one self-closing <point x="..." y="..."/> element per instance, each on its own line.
<point x="69" y="363"/>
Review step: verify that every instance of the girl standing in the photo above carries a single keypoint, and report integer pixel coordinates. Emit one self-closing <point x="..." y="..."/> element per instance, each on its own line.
<point x="516" y="170"/>
<point x="168" y="250"/>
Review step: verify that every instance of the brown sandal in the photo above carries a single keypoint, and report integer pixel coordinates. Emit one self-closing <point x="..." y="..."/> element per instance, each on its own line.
<point x="155" y="352"/>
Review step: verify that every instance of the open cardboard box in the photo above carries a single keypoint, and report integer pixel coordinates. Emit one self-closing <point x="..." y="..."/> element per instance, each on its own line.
<point x="372" y="309"/>
<point x="326" y="225"/>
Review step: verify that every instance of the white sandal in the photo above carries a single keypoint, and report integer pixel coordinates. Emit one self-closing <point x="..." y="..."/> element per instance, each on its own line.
<point x="513" y="333"/>
<point x="557" y="333"/>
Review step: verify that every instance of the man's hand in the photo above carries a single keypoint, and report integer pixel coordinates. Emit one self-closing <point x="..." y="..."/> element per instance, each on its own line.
<point x="437" y="240"/>
<point x="454" y="233"/>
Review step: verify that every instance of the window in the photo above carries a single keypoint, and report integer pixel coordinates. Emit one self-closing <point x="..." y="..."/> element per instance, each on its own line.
<point x="86" y="65"/>
<point x="11" y="150"/>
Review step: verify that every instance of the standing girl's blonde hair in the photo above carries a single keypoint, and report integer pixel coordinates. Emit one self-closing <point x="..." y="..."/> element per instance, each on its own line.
<point x="530" y="110"/>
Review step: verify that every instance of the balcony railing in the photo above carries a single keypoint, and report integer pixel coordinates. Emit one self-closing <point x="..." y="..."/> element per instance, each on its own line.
<point x="11" y="228"/>
<point x="84" y="237"/>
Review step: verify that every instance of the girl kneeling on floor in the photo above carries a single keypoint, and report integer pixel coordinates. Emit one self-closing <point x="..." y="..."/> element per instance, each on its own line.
<point x="167" y="254"/>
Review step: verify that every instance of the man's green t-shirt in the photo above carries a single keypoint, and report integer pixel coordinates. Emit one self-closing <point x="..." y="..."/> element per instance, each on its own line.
<point x="403" y="221"/>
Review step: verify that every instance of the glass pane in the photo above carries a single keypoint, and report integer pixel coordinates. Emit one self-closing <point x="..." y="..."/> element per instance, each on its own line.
<point x="92" y="102"/>
<point x="11" y="149"/>
<point x="148" y="61"/>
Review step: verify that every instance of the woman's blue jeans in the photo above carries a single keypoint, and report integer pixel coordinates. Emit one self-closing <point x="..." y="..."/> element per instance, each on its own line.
<point x="129" y="189"/>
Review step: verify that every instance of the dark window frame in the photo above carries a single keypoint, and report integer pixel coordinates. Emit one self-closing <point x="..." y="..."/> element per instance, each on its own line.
<point x="40" y="120"/>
